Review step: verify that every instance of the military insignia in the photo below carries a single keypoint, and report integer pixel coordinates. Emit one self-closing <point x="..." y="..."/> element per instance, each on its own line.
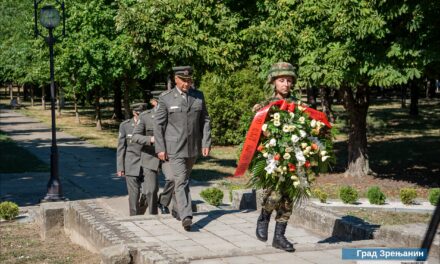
<point x="186" y="72"/>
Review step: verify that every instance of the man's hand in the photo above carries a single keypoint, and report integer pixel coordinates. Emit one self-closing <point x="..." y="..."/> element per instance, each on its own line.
<point x="120" y="173"/>
<point x="205" y="152"/>
<point x="256" y="107"/>
<point x="162" y="156"/>
<point x="152" y="140"/>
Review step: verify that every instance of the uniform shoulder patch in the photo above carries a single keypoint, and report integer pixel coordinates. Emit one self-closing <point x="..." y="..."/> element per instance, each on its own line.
<point x="165" y="93"/>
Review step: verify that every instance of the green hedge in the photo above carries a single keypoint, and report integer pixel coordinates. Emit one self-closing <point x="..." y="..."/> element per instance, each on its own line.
<point x="434" y="196"/>
<point x="348" y="195"/>
<point x="376" y="196"/>
<point x="8" y="210"/>
<point x="213" y="196"/>
<point x="230" y="100"/>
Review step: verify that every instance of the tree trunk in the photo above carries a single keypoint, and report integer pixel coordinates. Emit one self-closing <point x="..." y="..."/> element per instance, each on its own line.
<point x="43" y="95"/>
<point x="18" y="95"/>
<point x="32" y="95"/>
<point x="58" y="92"/>
<point x="357" y="108"/>
<point x="414" y="105"/>
<point x="11" y="91"/>
<point x="75" y="107"/>
<point x="311" y="97"/>
<point x="98" y="111"/>
<point x="403" y="96"/>
<point x="117" y="101"/>
<point x="126" y="99"/>
<point x="326" y="102"/>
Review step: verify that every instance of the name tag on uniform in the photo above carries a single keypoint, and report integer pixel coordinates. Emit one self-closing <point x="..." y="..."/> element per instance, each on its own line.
<point x="174" y="107"/>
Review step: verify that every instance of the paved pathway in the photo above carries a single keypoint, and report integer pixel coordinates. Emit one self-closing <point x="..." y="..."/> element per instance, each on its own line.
<point x="218" y="236"/>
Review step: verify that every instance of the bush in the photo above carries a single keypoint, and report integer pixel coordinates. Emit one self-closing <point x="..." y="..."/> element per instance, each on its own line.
<point x="407" y="195"/>
<point x="213" y="196"/>
<point x="8" y="210"/>
<point x="434" y="196"/>
<point x="348" y="194"/>
<point x="321" y="195"/>
<point x="375" y="195"/>
<point x="229" y="101"/>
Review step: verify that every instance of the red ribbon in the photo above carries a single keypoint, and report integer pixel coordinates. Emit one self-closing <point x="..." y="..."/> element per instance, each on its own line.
<point x="254" y="133"/>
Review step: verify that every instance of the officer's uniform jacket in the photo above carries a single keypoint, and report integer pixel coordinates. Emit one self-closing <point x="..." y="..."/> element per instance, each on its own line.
<point x="182" y="127"/>
<point x="128" y="155"/>
<point x="142" y="134"/>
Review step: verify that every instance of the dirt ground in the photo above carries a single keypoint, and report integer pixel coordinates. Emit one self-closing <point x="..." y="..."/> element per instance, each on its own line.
<point x="21" y="243"/>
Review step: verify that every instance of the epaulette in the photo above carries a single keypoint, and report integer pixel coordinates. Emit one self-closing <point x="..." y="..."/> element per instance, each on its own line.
<point x="125" y="121"/>
<point x="165" y="93"/>
<point x="146" y="112"/>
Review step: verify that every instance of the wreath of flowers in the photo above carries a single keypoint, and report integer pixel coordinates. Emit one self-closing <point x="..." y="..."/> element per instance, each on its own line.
<point x="292" y="150"/>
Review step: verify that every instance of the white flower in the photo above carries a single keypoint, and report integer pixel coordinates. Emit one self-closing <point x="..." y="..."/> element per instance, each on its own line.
<point x="292" y="115"/>
<point x="267" y="145"/>
<point x="284" y="168"/>
<point x="323" y="153"/>
<point x="270" y="168"/>
<point x="265" y="154"/>
<point x="301" y="120"/>
<point x="273" y="142"/>
<point x="302" y="133"/>
<point x="288" y="149"/>
<point x="313" y="123"/>
<point x="294" y="178"/>
<point x="286" y="128"/>
<point x="294" y="138"/>
<point x="299" y="156"/>
<point x="282" y="178"/>
<point x="291" y="128"/>
<point x="264" y="127"/>
<point x="295" y="183"/>
<point x="308" y="148"/>
<point x="276" y="116"/>
<point x="320" y="124"/>
<point x="306" y="152"/>
<point x="277" y="123"/>
<point x="286" y="156"/>
<point x="303" y="145"/>
<point x="301" y="108"/>
<point x="325" y="158"/>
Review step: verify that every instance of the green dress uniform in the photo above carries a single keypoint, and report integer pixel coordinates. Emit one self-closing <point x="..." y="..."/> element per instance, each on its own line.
<point x="142" y="135"/>
<point x="181" y="129"/>
<point x="129" y="160"/>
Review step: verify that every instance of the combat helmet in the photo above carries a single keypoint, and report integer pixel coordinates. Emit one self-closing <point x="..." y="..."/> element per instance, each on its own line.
<point x="280" y="69"/>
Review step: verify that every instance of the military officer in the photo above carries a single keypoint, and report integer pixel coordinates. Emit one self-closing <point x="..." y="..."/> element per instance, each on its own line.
<point x="128" y="159"/>
<point x="143" y="135"/>
<point x="182" y="132"/>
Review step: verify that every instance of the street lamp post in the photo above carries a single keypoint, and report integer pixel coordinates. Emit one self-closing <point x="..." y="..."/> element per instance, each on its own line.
<point x="50" y="18"/>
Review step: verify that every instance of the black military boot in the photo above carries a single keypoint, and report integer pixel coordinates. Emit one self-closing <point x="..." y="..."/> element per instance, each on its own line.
<point x="262" y="225"/>
<point x="279" y="240"/>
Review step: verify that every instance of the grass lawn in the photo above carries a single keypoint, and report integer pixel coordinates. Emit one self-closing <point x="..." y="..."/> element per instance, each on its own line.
<point x="15" y="159"/>
<point x="387" y="218"/>
<point x="20" y="243"/>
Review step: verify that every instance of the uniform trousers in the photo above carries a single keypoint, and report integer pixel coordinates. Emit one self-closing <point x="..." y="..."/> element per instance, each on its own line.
<point x="150" y="187"/>
<point x="134" y="184"/>
<point x="282" y="204"/>
<point x="179" y="175"/>
<point x="168" y="189"/>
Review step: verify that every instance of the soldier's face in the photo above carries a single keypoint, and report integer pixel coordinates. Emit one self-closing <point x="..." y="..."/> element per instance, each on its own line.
<point x="183" y="84"/>
<point x="283" y="84"/>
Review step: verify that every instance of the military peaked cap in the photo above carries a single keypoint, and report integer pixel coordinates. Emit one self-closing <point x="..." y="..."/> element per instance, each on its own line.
<point x="139" y="107"/>
<point x="183" y="72"/>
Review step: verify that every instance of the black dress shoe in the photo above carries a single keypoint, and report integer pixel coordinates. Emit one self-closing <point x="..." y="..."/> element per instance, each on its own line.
<point x="163" y="209"/>
<point x="175" y="215"/>
<point x="186" y="223"/>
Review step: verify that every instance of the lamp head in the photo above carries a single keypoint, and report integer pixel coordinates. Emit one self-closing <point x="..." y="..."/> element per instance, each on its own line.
<point x="49" y="17"/>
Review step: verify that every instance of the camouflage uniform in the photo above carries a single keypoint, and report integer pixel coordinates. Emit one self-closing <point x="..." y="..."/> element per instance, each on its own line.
<point x="275" y="200"/>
